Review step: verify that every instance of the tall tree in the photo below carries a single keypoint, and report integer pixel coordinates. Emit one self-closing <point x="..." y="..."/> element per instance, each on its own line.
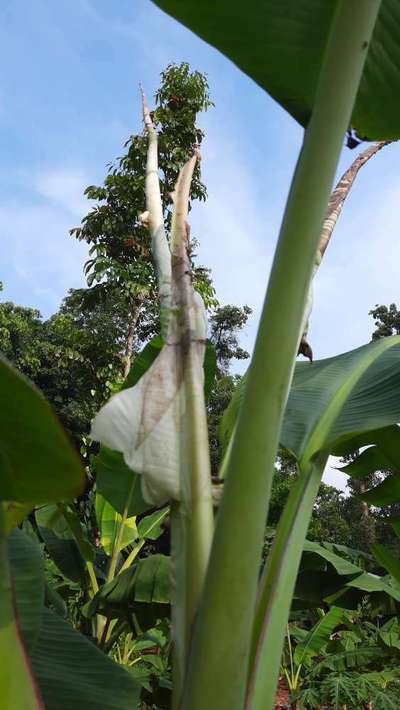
<point x="226" y="323"/>
<point x="386" y="320"/>
<point x="120" y="261"/>
<point x="74" y="357"/>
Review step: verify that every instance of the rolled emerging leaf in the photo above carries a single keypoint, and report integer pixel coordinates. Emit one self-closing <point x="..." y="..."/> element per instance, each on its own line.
<point x="144" y="422"/>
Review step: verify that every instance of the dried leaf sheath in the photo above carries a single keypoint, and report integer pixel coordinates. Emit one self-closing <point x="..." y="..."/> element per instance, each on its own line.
<point x="335" y="206"/>
<point x="160" y="427"/>
<point x="156" y="422"/>
<point x="155" y="217"/>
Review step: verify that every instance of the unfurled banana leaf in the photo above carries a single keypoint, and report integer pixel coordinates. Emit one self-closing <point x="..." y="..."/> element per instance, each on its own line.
<point x="20" y="617"/>
<point x="73" y="674"/>
<point x="341" y="565"/>
<point x="280" y="44"/>
<point x="332" y="402"/>
<point x="70" y="672"/>
<point x="390" y="633"/>
<point x="148" y="581"/>
<point x="118" y="484"/>
<point x="328" y="578"/>
<point x="150" y="527"/>
<point x="65" y="539"/>
<point x="27" y="566"/>
<point x="387" y="560"/>
<point x="369" y="461"/>
<point x="384" y="493"/>
<point x="319" y="635"/>
<point x="37" y="463"/>
<point x="109" y="522"/>
<point x="340" y="403"/>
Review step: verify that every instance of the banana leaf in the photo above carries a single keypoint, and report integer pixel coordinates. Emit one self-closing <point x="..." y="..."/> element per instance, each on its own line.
<point x="280" y="44"/>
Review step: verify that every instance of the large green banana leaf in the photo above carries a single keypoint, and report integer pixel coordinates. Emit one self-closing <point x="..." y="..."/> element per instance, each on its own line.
<point x="280" y="43"/>
<point x="147" y="581"/>
<point x="61" y="531"/>
<point x="37" y="463"/>
<point x="326" y="577"/>
<point x="18" y="688"/>
<point x="115" y="481"/>
<point x="341" y="401"/>
<point x="28" y="579"/>
<point x="319" y="635"/>
<point x="71" y="673"/>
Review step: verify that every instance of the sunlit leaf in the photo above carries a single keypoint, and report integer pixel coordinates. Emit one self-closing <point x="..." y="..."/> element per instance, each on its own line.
<point x="109" y="522"/>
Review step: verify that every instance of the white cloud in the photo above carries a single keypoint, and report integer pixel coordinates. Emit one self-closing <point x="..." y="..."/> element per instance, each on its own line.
<point x="332" y="476"/>
<point x="236" y="231"/>
<point x="63" y="188"/>
<point x="40" y="260"/>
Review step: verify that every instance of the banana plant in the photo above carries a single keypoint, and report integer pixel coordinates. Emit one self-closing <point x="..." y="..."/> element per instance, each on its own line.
<point x="308" y="645"/>
<point x="327" y="64"/>
<point x="44" y="662"/>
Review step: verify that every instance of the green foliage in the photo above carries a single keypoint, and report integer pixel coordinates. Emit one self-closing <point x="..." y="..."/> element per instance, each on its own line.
<point x="338" y="404"/>
<point x="387" y="321"/>
<point x="226" y="322"/>
<point x="292" y="36"/>
<point x="120" y="267"/>
<point x="354" y="664"/>
<point x="61" y="543"/>
<point x="69" y="670"/>
<point x="115" y="480"/>
<point x="73" y="357"/>
<point x="33" y="446"/>
<point x="147" y="581"/>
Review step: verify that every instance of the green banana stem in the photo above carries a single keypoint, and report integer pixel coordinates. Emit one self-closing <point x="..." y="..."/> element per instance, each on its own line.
<point x="217" y="674"/>
<point x="276" y="586"/>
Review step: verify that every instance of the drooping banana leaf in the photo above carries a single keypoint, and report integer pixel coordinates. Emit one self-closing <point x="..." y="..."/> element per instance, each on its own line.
<point x="65" y="540"/>
<point x="37" y="463"/>
<point x="319" y="635"/>
<point x="387" y="560"/>
<point x="331" y="401"/>
<point x="20" y="614"/>
<point x="147" y="581"/>
<point x="348" y="400"/>
<point x="280" y="44"/>
<point x="71" y="673"/>
<point x="324" y="578"/>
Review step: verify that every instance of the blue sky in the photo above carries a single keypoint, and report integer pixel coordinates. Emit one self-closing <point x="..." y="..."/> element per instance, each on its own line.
<point x="68" y="101"/>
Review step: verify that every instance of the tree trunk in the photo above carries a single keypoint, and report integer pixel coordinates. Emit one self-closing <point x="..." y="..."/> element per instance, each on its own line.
<point x="365" y="509"/>
<point x="131" y="337"/>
